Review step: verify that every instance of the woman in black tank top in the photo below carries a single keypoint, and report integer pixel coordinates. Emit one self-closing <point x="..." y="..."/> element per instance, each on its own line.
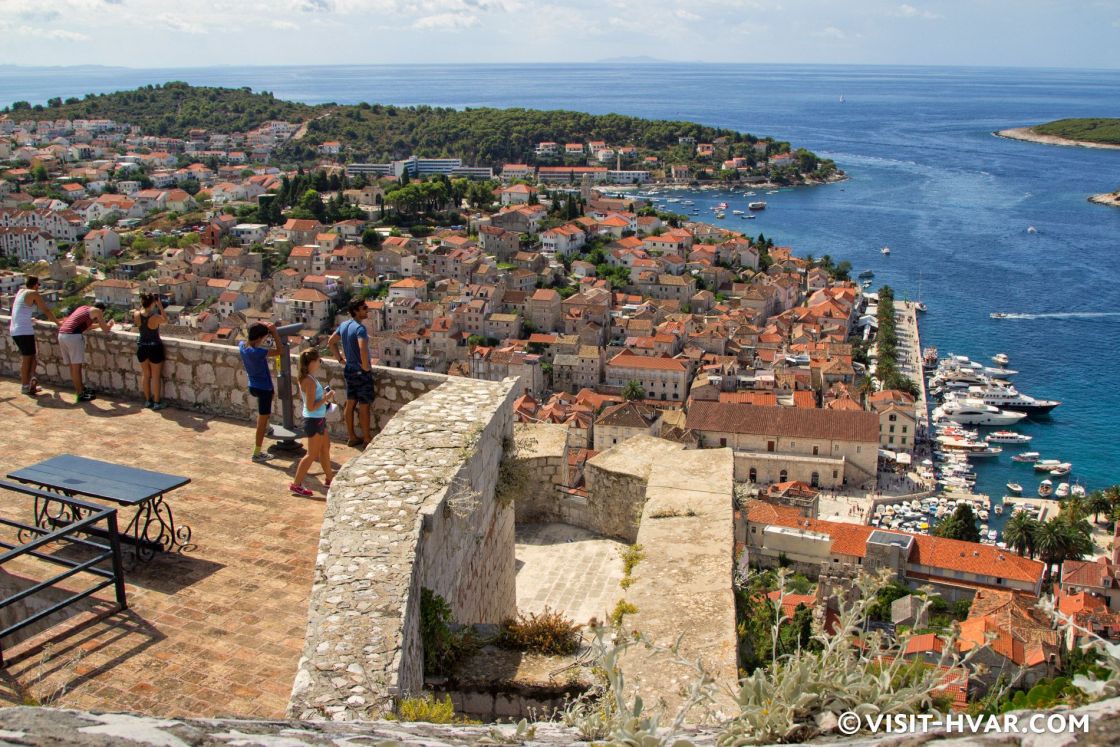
<point x="149" y="350"/>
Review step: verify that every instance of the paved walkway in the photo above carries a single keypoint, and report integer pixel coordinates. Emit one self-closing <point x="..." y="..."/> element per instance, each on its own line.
<point x="568" y="569"/>
<point x="214" y="630"/>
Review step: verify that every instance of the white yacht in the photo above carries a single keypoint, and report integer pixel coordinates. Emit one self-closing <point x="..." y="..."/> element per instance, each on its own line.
<point x="885" y="250"/>
<point x="1062" y="491"/>
<point x="757" y="205"/>
<point x="1011" y="398"/>
<point x="1001" y="359"/>
<point x="991" y="451"/>
<point x="1077" y="489"/>
<point x="1026" y="456"/>
<point x="1007" y="437"/>
<point x="1015" y="488"/>
<point x="999" y="373"/>
<point x="975" y="412"/>
<point x="1045" y="465"/>
<point x="1045" y="488"/>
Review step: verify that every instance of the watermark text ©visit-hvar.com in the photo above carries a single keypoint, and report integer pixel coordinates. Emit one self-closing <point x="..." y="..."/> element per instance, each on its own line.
<point x="851" y="722"/>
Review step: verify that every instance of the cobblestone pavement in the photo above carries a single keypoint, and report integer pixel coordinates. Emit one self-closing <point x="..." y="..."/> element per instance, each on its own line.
<point x="214" y="630"/>
<point x="568" y="569"/>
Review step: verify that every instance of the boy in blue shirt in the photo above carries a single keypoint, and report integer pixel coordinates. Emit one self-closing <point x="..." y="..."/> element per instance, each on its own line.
<point x="350" y="344"/>
<point x="254" y="356"/>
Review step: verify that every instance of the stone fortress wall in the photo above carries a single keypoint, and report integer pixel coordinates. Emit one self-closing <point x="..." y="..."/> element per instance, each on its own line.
<point x="417" y="509"/>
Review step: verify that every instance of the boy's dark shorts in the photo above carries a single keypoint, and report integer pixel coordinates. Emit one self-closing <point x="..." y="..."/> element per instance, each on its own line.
<point x="264" y="400"/>
<point x="359" y="385"/>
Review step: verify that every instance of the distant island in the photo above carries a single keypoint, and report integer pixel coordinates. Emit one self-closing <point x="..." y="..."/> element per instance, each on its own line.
<point x="482" y="137"/>
<point x="1097" y="132"/>
<point x="1083" y="133"/>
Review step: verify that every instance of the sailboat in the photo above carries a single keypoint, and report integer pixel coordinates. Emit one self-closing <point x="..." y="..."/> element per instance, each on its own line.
<point x="841" y="98"/>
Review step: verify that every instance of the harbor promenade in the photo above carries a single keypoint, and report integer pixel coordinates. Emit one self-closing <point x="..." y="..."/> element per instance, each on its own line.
<point x="910" y="356"/>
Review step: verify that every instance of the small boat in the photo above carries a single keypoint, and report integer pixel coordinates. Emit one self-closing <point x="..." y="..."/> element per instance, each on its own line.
<point x="1026" y="456"/>
<point x="1007" y="437"/>
<point x="921" y="307"/>
<point x="866" y="274"/>
<point x="885" y="250"/>
<point x="1062" y="491"/>
<point x="1077" y="489"/>
<point x="721" y="216"/>
<point x="1061" y="470"/>
<point x="757" y="205"/>
<point x="1045" y="489"/>
<point x="1045" y="465"/>
<point x="1032" y="229"/>
<point x="988" y="453"/>
<point x="736" y="212"/>
<point x="1015" y="488"/>
<point x="983" y="514"/>
<point x="998" y="315"/>
<point x="1001" y="359"/>
<point x="992" y="535"/>
<point x="999" y="373"/>
<point x="998" y="508"/>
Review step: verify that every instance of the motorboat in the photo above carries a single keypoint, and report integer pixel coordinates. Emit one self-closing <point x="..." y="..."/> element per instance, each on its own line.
<point x="1062" y="491"/>
<point x="885" y="250"/>
<point x="866" y="274"/>
<point x="999" y="373"/>
<point x="988" y="453"/>
<point x="983" y="514"/>
<point x="1001" y="359"/>
<point x="992" y="535"/>
<point x="975" y="412"/>
<point x="920" y="307"/>
<point x="1015" y="488"/>
<point x="1045" y="465"/>
<point x="1077" y="489"/>
<point x="757" y="205"/>
<point x="1007" y="396"/>
<point x="1045" y="489"/>
<point x="720" y="216"/>
<point x="736" y="212"/>
<point x="1032" y="229"/>
<point x="1061" y="470"/>
<point x="999" y="315"/>
<point x="998" y="508"/>
<point x="1026" y="456"/>
<point x="1007" y="437"/>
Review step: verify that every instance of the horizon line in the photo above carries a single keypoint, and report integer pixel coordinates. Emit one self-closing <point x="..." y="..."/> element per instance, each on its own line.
<point x="621" y="61"/>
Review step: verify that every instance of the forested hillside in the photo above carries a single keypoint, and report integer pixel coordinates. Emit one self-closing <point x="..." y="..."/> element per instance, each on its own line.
<point x="1096" y="130"/>
<point x="172" y="109"/>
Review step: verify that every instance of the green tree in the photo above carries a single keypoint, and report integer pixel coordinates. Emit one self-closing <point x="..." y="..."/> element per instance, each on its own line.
<point x="1099" y="504"/>
<point x="633" y="391"/>
<point x="961" y="525"/>
<point x="39" y="173"/>
<point x="1019" y="533"/>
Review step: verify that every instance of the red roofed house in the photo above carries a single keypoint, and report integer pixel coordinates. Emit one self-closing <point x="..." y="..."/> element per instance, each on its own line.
<point x="823" y="448"/>
<point x="662" y="377"/>
<point x="955" y="569"/>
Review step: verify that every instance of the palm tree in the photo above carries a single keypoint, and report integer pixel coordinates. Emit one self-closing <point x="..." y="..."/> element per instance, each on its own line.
<point x="633" y="390"/>
<point x="1050" y="542"/>
<point x="1099" y="503"/>
<point x="1073" y="508"/>
<point x="1019" y="534"/>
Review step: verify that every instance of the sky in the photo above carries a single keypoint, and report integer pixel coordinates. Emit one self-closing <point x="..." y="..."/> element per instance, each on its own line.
<point x="201" y="33"/>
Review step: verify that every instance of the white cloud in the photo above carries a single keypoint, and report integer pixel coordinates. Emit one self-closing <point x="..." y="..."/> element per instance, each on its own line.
<point x="909" y="11"/>
<point x="686" y="15"/>
<point x="831" y="32"/>
<point x="284" y="25"/>
<point x="446" y="21"/>
<point x="64" y="35"/>
<point x="180" y="24"/>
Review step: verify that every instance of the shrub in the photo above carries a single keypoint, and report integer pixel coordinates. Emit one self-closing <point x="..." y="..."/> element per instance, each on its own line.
<point x="620" y="611"/>
<point x="428" y="709"/>
<point x="548" y="633"/>
<point x="443" y="647"/>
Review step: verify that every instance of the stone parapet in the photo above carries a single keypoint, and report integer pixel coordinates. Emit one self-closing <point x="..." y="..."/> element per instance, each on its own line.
<point x="416" y="510"/>
<point x="207" y="377"/>
<point x="616" y="484"/>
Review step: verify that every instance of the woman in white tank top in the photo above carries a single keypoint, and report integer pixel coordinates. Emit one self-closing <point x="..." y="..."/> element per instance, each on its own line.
<point x="22" y="329"/>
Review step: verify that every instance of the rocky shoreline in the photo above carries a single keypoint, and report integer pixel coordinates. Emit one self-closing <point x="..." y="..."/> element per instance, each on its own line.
<point x="1029" y="135"/>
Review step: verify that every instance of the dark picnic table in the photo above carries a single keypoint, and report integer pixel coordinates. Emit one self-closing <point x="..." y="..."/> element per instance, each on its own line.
<point x="152" y="528"/>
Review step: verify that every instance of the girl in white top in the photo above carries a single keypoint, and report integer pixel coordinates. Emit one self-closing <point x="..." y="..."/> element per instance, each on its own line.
<point x="22" y="329"/>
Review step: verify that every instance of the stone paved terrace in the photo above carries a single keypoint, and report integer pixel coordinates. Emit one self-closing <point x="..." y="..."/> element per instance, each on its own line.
<point x="216" y="630"/>
<point x="567" y="569"/>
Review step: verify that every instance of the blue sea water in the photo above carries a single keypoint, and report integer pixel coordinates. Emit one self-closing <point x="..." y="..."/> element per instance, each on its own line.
<point x="927" y="178"/>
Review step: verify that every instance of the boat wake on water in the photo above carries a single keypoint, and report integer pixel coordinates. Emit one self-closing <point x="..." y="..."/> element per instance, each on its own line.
<point x="1056" y="315"/>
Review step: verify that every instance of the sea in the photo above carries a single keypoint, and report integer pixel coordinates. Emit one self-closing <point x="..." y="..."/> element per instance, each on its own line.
<point x="927" y="178"/>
